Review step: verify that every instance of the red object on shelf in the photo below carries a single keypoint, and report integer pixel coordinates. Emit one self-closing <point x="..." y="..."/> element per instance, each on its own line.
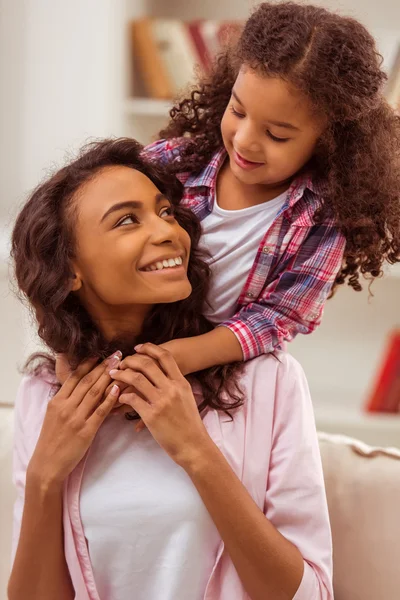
<point x="386" y="393"/>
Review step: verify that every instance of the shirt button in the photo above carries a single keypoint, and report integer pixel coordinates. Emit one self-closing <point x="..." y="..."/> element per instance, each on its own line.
<point x="250" y="295"/>
<point x="266" y="250"/>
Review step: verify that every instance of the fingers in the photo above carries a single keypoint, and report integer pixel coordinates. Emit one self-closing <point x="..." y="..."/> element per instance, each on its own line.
<point x="75" y="376"/>
<point x="163" y="357"/>
<point x="142" y="407"/>
<point x="147" y="366"/>
<point x="138" y="381"/>
<point x="94" y="380"/>
<point x="140" y="425"/>
<point x="104" y="409"/>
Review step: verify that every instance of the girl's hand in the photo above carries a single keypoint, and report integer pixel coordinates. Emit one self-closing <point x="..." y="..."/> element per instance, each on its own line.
<point x="72" y="420"/>
<point x="165" y="402"/>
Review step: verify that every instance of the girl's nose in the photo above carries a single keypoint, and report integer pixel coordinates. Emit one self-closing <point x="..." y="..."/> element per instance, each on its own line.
<point x="246" y="139"/>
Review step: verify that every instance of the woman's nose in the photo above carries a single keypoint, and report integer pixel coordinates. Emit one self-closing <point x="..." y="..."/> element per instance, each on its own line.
<point x="163" y="232"/>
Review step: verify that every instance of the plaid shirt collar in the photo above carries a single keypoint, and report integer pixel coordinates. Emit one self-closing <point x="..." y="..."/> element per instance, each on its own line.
<point x="208" y="178"/>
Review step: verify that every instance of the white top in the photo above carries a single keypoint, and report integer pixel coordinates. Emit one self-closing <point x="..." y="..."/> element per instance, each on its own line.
<point x="149" y="534"/>
<point x="230" y="242"/>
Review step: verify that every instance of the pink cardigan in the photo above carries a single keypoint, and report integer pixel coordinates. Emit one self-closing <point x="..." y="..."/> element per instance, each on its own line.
<point x="272" y="447"/>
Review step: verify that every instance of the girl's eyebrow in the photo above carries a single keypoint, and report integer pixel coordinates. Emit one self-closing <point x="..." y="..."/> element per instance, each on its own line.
<point x="276" y="123"/>
<point x="132" y="204"/>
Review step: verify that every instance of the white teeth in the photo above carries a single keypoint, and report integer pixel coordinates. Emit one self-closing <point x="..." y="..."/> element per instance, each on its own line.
<point x="167" y="263"/>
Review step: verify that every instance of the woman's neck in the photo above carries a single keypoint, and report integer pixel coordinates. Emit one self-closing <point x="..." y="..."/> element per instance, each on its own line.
<point x="119" y="322"/>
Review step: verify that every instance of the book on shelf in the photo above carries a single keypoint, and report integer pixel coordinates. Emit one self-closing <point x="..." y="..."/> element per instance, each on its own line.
<point x="385" y="396"/>
<point x="169" y="52"/>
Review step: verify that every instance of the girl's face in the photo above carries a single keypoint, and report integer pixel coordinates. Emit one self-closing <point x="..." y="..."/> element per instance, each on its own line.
<point x="269" y="130"/>
<point x="131" y="253"/>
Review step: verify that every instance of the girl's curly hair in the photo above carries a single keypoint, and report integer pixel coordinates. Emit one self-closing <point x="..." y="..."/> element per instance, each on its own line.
<point x="334" y="62"/>
<point x="42" y="248"/>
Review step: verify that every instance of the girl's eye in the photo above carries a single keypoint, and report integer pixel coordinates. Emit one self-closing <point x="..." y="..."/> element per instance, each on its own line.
<point x="236" y="113"/>
<point x="168" y="211"/>
<point x="127" y="220"/>
<point x="276" y="139"/>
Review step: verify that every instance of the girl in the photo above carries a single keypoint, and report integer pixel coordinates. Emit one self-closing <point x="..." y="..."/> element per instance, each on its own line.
<point x="196" y="506"/>
<point x="290" y="156"/>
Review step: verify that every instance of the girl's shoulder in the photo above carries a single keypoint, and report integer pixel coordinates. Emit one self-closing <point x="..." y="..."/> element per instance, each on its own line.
<point x="165" y="151"/>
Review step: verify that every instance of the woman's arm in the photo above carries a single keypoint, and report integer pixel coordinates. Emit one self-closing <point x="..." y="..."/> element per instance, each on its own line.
<point x="268" y="563"/>
<point x="289" y="545"/>
<point x="40" y="569"/>
<point x="71" y="421"/>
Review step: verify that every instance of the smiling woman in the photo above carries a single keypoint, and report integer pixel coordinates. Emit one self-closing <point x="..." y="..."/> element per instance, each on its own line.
<point x="126" y="237"/>
<point x="205" y="502"/>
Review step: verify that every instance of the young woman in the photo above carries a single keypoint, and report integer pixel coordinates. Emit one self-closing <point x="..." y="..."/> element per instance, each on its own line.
<point x="222" y="496"/>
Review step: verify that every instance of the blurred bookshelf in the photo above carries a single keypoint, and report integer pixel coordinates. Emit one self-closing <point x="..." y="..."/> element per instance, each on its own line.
<point x="342" y="357"/>
<point x="147" y="107"/>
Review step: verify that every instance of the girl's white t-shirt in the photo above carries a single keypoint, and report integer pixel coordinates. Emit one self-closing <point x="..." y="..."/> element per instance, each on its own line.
<point x="229" y="243"/>
<point x="149" y="534"/>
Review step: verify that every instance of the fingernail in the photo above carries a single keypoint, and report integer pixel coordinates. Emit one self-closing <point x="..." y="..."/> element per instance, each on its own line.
<point x="138" y="346"/>
<point x="113" y="372"/>
<point x="114" y="390"/>
<point x="113" y="361"/>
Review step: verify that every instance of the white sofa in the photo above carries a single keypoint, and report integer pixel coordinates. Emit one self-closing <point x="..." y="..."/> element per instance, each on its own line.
<point x="363" y="489"/>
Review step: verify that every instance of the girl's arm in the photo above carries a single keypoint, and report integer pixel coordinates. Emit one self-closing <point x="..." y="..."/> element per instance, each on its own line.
<point x="217" y="347"/>
<point x="281" y="553"/>
<point x="291" y="303"/>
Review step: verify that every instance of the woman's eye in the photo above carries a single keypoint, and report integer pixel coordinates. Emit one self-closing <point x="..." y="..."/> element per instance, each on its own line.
<point x="168" y="211"/>
<point x="276" y="139"/>
<point x="236" y="113"/>
<point x="127" y="220"/>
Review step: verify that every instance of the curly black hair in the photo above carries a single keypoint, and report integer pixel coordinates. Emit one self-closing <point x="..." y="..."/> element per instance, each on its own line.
<point x="333" y="60"/>
<point x="43" y="245"/>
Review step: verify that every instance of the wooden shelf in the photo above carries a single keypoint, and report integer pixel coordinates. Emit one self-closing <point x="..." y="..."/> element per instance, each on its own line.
<point x="147" y="107"/>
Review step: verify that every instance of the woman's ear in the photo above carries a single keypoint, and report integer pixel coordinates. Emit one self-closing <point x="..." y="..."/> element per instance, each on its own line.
<point x="76" y="283"/>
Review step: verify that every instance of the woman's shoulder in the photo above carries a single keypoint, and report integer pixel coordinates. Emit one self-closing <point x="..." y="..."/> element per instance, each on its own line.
<point x="276" y="377"/>
<point x="33" y="395"/>
<point x="281" y="365"/>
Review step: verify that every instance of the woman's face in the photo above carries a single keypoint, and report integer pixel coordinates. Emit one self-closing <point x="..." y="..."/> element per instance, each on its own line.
<point x="131" y="253"/>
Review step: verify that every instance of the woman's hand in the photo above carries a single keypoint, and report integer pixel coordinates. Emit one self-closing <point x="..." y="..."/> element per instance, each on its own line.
<point x="72" y="420"/>
<point x="165" y="402"/>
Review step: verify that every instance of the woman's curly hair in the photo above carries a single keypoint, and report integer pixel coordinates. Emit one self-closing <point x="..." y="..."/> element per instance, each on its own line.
<point x="43" y="246"/>
<point x="334" y="62"/>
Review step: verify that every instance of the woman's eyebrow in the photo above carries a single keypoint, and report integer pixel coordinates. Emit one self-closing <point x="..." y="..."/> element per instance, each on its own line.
<point x="131" y="204"/>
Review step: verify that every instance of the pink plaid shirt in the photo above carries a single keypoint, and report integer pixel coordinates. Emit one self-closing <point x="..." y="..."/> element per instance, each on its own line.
<point x="295" y="266"/>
